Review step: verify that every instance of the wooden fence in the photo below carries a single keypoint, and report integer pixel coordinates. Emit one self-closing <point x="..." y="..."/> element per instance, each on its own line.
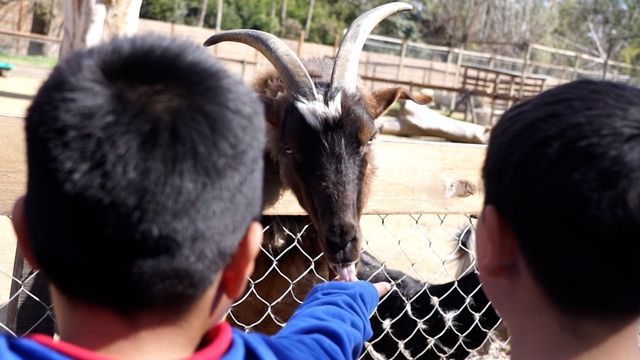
<point x="413" y="178"/>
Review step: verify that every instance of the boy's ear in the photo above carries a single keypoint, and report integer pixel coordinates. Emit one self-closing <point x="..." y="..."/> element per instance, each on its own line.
<point x="19" y="221"/>
<point x="236" y="273"/>
<point x="496" y="244"/>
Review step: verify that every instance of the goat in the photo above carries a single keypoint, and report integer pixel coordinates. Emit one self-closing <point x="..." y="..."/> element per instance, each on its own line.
<point x="319" y="133"/>
<point x="417" y="320"/>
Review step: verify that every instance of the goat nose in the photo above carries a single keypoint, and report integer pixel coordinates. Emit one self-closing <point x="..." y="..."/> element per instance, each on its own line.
<point x="344" y="234"/>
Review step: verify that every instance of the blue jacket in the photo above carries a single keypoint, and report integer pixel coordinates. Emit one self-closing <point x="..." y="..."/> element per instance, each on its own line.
<point x="332" y="323"/>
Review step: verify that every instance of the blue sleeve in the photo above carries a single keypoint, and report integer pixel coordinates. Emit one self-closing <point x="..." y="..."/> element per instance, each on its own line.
<point x="19" y="348"/>
<point x="332" y="323"/>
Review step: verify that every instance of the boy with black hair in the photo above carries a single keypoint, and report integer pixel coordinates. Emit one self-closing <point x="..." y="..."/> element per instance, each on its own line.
<point x="145" y="176"/>
<point x="558" y="240"/>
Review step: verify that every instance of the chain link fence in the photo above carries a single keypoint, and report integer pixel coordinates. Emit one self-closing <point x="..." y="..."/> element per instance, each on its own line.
<point x="436" y="309"/>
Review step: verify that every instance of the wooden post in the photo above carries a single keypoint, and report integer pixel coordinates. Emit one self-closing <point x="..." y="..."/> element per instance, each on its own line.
<point x="446" y="71"/>
<point x="8" y="258"/>
<point x="20" y="26"/>
<point x="256" y="56"/>
<point x="336" y="44"/>
<point x="605" y="66"/>
<point x="300" y="43"/>
<point x="375" y="72"/>
<point x="21" y="16"/>
<point x="575" y="67"/>
<point x="283" y="16"/>
<point x="403" y="54"/>
<point x="12" y="306"/>
<point x="525" y="69"/>
<point x="366" y="67"/>
<point x="456" y="78"/>
<point x="218" y="15"/>
<point x="307" y="26"/>
<point x="202" y="11"/>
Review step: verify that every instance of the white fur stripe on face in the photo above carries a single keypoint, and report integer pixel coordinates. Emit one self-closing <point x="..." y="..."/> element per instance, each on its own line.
<point x="316" y="111"/>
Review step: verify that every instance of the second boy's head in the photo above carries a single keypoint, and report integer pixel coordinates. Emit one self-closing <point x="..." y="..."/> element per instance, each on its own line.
<point x="145" y="173"/>
<point x="562" y="179"/>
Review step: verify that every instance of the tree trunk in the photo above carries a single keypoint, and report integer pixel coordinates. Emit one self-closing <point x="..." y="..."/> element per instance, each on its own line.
<point x="218" y="15"/>
<point x="273" y="9"/>
<point x="307" y="26"/>
<point x="283" y="15"/>
<point x="88" y="22"/>
<point x="202" y="12"/>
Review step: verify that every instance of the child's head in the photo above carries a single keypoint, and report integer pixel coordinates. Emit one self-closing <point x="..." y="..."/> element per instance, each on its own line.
<point x="145" y="170"/>
<point x="563" y="171"/>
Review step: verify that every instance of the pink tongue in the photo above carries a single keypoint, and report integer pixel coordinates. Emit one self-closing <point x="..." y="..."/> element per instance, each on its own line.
<point x="347" y="273"/>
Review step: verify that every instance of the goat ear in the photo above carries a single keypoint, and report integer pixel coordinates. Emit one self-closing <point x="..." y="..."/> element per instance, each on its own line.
<point x="270" y="110"/>
<point x="382" y="99"/>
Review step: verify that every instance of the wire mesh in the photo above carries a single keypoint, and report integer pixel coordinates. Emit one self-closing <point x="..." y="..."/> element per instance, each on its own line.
<point x="435" y="310"/>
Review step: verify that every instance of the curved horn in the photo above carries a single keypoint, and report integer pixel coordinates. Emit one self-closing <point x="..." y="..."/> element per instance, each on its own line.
<point x="345" y="68"/>
<point x="286" y="62"/>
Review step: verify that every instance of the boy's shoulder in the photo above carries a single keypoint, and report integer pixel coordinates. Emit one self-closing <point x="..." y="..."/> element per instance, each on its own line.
<point x="26" y="348"/>
<point x="333" y="322"/>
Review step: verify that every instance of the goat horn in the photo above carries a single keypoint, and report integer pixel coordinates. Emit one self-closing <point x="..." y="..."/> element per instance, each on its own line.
<point x="286" y="62"/>
<point x="345" y="68"/>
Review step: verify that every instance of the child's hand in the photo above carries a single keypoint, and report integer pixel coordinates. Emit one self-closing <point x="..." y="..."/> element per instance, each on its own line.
<point x="382" y="288"/>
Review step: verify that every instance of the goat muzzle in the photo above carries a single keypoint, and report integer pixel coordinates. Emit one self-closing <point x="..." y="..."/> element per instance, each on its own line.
<point x="346" y="272"/>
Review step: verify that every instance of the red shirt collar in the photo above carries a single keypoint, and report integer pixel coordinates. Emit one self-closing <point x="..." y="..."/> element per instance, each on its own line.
<point x="214" y="344"/>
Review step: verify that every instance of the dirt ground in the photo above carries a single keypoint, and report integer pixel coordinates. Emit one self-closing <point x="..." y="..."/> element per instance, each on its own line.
<point x="16" y="92"/>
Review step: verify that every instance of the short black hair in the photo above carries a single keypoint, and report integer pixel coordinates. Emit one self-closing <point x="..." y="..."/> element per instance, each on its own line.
<point x="563" y="169"/>
<point x="144" y="170"/>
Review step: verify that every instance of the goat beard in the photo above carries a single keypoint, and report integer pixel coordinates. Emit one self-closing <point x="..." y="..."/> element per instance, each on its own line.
<point x="346" y="272"/>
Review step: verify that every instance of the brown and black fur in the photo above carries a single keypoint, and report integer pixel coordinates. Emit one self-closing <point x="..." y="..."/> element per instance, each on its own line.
<point x="329" y="167"/>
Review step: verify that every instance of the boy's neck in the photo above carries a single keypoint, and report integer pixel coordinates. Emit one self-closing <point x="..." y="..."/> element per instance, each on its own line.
<point x="555" y="341"/>
<point x="147" y="336"/>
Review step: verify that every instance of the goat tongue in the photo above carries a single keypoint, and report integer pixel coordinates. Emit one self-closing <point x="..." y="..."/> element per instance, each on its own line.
<point x="347" y="273"/>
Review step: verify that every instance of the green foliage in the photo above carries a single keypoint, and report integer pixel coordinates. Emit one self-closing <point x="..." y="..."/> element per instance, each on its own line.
<point x="40" y="61"/>
<point x="177" y="11"/>
<point x="330" y="17"/>
<point x="475" y="24"/>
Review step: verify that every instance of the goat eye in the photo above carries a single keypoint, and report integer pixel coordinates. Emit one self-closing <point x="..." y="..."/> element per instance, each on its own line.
<point x="287" y="150"/>
<point x="370" y="141"/>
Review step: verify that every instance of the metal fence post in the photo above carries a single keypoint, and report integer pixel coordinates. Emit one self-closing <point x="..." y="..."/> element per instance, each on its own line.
<point x="403" y="54"/>
<point x="300" y="42"/>
<point x="456" y="78"/>
<point x="525" y="68"/>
